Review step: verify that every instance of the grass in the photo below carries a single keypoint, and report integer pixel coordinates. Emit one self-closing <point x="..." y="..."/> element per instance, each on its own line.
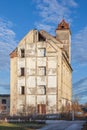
<point x="10" y="126"/>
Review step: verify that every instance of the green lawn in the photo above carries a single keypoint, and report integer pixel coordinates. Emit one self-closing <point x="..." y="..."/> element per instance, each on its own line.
<point x="10" y="126"/>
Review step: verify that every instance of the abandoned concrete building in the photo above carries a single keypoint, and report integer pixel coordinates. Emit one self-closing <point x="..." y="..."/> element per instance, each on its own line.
<point x="41" y="74"/>
<point x="4" y="104"/>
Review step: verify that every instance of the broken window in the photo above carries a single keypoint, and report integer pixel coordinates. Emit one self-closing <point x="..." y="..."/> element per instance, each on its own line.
<point x="22" y="90"/>
<point x="22" y="71"/>
<point x="3" y="101"/>
<point x="22" y="53"/>
<point x="41" y="38"/>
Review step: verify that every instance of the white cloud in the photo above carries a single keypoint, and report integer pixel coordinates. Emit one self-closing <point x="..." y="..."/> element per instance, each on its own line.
<point x="48" y="28"/>
<point x="79" y="47"/>
<point x="7" y="42"/>
<point x="71" y="3"/>
<point x="51" y="12"/>
<point x="80" y="90"/>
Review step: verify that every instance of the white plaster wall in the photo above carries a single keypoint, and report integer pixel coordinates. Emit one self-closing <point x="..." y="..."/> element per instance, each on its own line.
<point x="52" y="81"/>
<point x="41" y="61"/>
<point x="31" y="62"/>
<point x="52" y="62"/>
<point x="52" y="103"/>
<point x="51" y="100"/>
<point x="41" y="44"/>
<point x="31" y="82"/>
<point x="31" y="71"/>
<point x="41" y="90"/>
<point x="30" y="100"/>
<point x="41" y="52"/>
<point x="41" y="99"/>
<point x="31" y="91"/>
<point x="41" y="80"/>
<point x="51" y="91"/>
<point x="52" y="71"/>
<point x="20" y="102"/>
<point x="30" y="49"/>
<point x="41" y="70"/>
<point x="21" y="62"/>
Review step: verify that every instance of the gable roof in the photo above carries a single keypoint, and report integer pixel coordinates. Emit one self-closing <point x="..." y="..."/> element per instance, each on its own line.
<point x="13" y="53"/>
<point x="63" y="25"/>
<point x="57" y="44"/>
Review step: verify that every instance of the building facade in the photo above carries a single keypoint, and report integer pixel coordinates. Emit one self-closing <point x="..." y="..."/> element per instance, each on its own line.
<point x="4" y="104"/>
<point x="41" y="74"/>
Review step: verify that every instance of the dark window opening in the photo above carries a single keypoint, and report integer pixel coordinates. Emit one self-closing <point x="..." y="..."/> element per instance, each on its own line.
<point x="62" y="26"/>
<point x="44" y="90"/>
<point x="22" y="90"/>
<point x="41" y="38"/>
<point x="3" y="101"/>
<point x="44" y="51"/>
<point x="22" y="53"/>
<point x="22" y="71"/>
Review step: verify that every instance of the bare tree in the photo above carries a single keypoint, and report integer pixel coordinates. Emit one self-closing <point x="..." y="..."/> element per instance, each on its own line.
<point x="75" y="105"/>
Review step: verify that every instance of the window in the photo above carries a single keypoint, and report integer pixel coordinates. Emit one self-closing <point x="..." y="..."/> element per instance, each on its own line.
<point x="41" y="38"/>
<point x="43" y="89"/>
<point x="22" y="53"/>
<point x="22" y="71"/>
<point x="3" y="101"/>
<point x="22" y="90"/>
<point x="62" y="26"/>
<point x="42" y="52"/>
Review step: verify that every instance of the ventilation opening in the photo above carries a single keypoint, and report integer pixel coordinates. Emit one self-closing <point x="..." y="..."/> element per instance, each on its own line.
<point x="62" y="26"/>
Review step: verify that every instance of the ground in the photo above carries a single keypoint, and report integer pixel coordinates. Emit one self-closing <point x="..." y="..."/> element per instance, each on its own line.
<point x="10" y="126"/>
<point x="19" y="126"/>
<point x="63" y="125"/>
<point x="51" y="125"/>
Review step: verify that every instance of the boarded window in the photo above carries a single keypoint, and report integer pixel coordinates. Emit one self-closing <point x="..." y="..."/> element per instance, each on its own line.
<point x="42" y="52"/>
<point x="41" y="89"/>
<point x="41" y="80"/>
<point x="22" y="90"/>
<point x="22" y="71"/>
<point x="22" y="53"/>
<point x="42" y="71"/>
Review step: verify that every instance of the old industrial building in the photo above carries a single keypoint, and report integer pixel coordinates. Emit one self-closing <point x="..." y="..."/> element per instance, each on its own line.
<point x="41" y="74"/>
<point x="4" y="104"/>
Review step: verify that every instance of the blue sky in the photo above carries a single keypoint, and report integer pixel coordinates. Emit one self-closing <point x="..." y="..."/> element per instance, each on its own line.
<point x="17" y="17"/>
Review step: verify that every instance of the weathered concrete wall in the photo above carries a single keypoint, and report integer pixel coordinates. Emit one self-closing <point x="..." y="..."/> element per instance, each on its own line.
<point x="13" y="86"/>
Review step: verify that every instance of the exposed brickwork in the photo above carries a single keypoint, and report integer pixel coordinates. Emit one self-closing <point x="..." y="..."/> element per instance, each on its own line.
<point x="13" y="54"/>
<point x="63" y="25"/>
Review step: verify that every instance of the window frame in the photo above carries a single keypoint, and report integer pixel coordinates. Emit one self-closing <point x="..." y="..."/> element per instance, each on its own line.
<point x="22" y="71"/>
<point x="44" y="54"/>
<point x="22" y="53"/>
<point x="22" y="90"/>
